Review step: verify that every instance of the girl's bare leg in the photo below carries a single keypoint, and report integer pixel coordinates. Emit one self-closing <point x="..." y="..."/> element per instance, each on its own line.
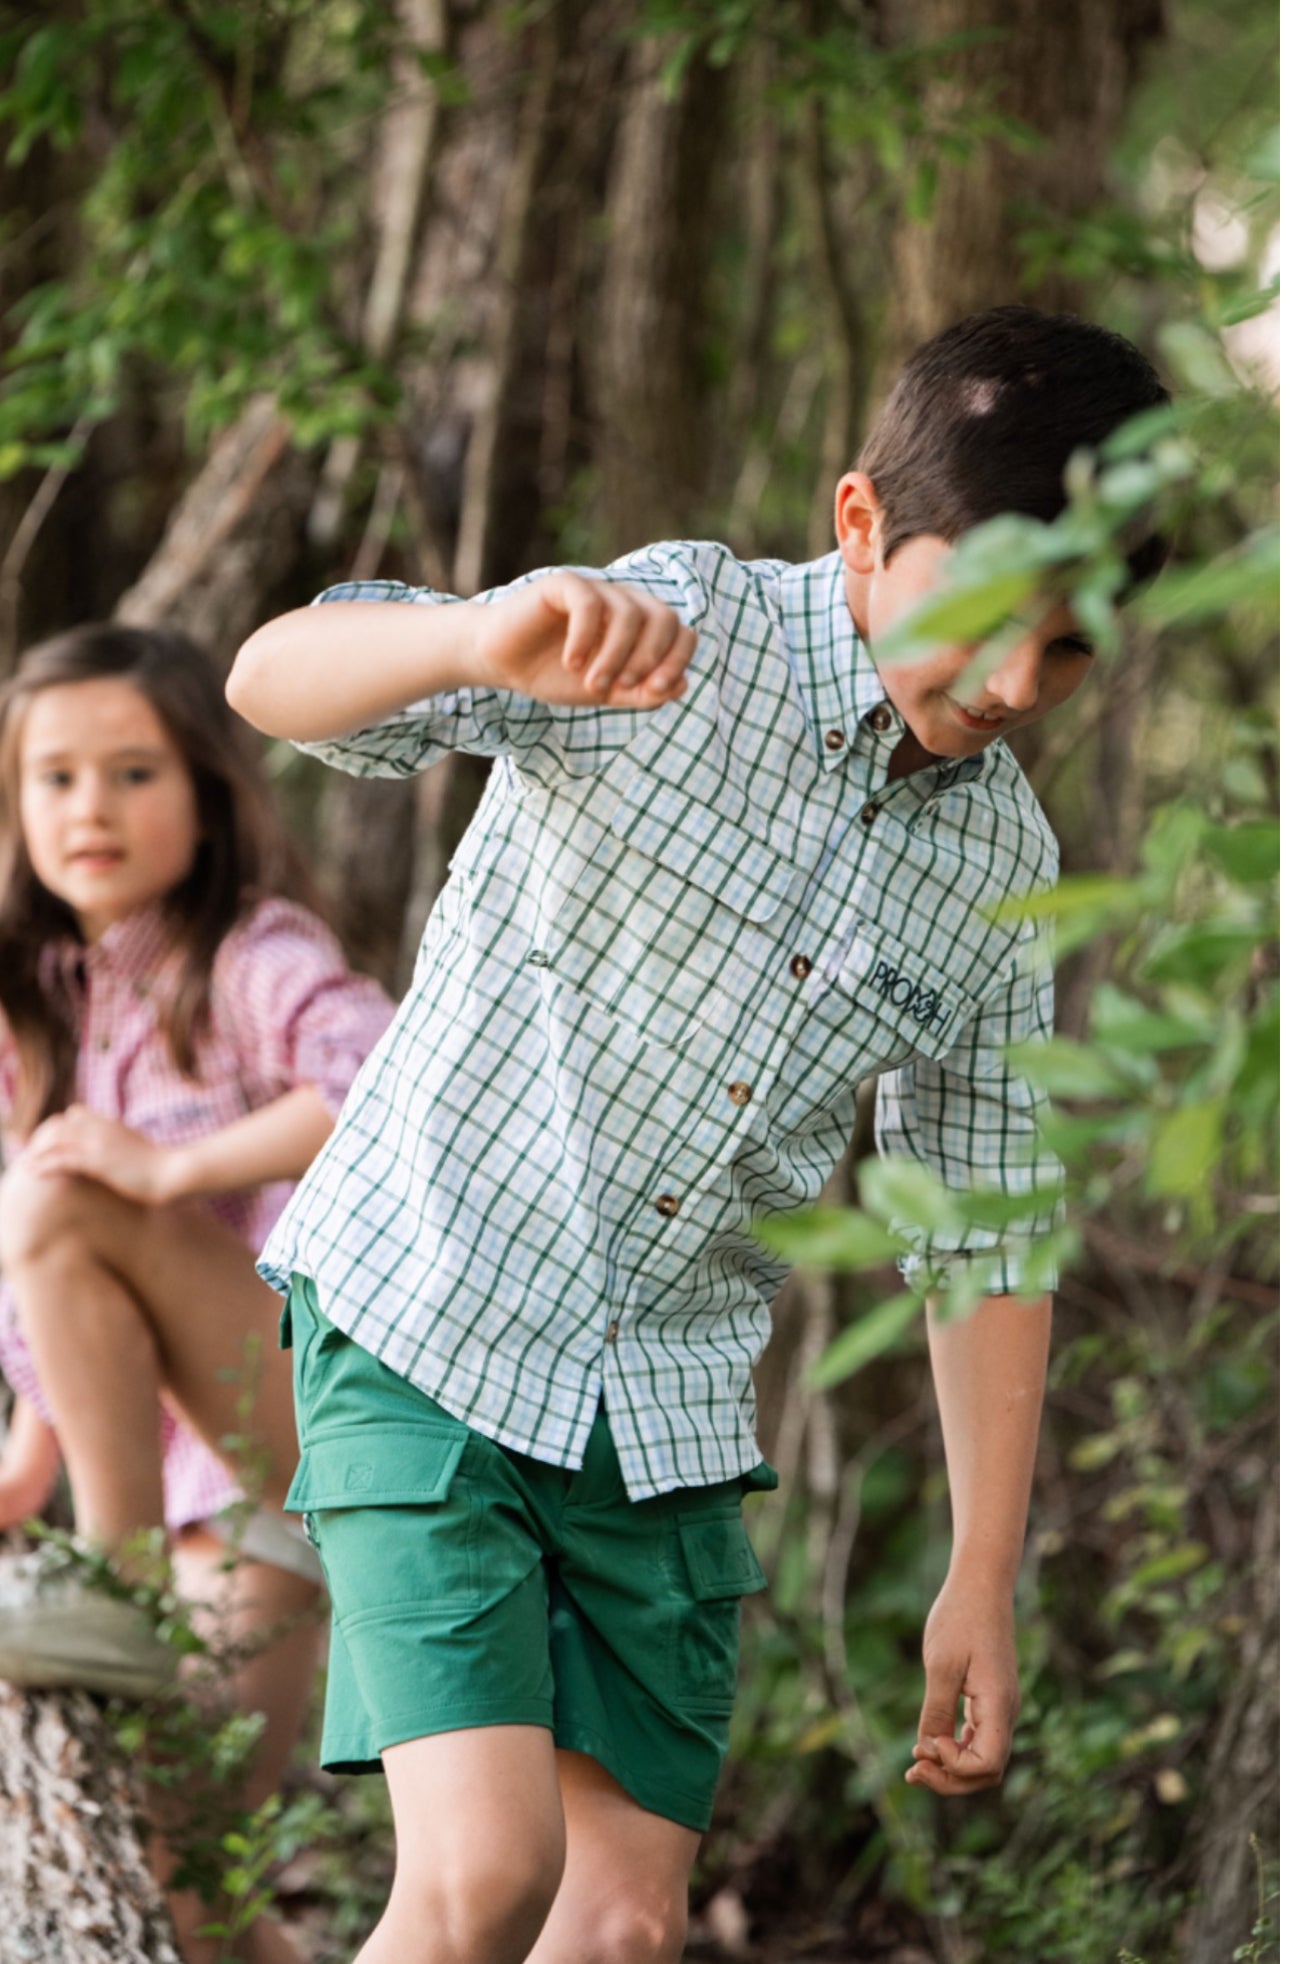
<point x="233" y="1607"/>
<point x="117" y="1299"/>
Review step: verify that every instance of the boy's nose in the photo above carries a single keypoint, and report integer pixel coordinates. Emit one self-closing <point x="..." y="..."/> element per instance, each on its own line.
<point x="1015" y="682"/>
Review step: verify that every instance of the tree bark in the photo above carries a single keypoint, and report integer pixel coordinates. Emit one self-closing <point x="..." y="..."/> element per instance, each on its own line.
<point x="1241" y="1778"/>
<point x="652" y="445"/>
<point x="75" y="1886"/>
<point x="233" y="540"/>
<point x="1065" y="72"/>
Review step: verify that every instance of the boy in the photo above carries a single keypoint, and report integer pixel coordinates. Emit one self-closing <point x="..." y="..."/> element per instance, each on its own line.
<point x="724" y="870"/>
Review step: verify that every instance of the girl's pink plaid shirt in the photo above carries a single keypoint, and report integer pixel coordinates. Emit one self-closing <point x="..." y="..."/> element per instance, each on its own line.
<point x="285" y="1011"/>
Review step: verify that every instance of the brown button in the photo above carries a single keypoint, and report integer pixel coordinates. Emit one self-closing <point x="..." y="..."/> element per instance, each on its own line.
<point x="103" y="1043"/>
<point x="801" y="966"/>
<point x="834" y="740"/>
<point x="881" y="718"/>
<point x="739" y="1093"/>
<point x="611" y="1334"/>
<point x="869" y="812"/>
<point x="667" y="1204"/>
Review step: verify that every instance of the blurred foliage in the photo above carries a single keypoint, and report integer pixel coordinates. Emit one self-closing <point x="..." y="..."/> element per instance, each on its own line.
<point x="211" y="165"/>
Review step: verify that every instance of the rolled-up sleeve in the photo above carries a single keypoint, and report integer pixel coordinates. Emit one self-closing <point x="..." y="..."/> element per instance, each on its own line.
<point x="293" y="1010"/>
<point x="974" y="1121"/>
<point x="546" y="740"/>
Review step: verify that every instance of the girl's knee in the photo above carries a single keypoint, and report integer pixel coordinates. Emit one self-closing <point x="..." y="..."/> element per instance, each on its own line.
<point x="38" y="1211"/>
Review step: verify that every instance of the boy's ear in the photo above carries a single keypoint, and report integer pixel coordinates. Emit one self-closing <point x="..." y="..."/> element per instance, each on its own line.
<point x="857" y="517"/>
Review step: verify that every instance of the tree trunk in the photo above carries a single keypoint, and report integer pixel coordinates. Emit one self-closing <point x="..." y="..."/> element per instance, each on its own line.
<point x="75" y="1886"/>
<point x="234" y="538"/>
<point x="1241" y="1778"/>
<point x="1064" y="71"/>
<point x="652" y="444"/>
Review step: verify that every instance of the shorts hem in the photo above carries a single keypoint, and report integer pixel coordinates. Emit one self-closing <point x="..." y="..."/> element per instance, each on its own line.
<point x="399" y="1730"/>
<point x="685" y="1809"/>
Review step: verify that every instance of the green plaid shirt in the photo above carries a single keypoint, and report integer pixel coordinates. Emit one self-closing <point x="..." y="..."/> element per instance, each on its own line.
<point x="673" y="944"/>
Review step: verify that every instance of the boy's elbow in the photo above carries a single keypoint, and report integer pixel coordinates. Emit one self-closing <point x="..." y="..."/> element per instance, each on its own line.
<point x="245" y="690"/>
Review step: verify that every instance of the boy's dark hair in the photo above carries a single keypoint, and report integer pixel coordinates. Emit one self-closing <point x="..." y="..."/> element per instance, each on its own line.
<point x="984" y="417"/>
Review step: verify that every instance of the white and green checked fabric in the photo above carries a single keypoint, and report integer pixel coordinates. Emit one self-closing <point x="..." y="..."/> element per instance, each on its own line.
<point x="672" y="945"/>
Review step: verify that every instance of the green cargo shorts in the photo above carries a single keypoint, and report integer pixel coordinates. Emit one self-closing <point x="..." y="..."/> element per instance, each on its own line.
<point x="472" y="1585"/>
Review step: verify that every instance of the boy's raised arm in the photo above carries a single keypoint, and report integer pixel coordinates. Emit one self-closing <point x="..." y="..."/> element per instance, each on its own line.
<point x="323" y="672"/>
<point x="989" y="1369"/>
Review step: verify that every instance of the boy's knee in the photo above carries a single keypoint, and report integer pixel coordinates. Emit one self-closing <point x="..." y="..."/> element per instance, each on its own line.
<point x="37" y="1212"/>
<point x="627" y="1931"/>
<point x="475" y="1905"/>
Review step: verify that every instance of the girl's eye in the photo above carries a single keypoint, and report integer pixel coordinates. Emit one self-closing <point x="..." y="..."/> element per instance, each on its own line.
<point x="1072" y="644"/>
<point x="138" y="774"/>
<point x="55" y="780"/>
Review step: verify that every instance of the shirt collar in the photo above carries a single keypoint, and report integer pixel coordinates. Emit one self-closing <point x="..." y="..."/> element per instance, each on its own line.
<point x="834" y="669"/>
<point x="132" y="948"/>
<point x="836" y="673"/>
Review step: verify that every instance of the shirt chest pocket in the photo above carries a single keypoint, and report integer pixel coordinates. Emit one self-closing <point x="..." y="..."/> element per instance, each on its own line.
<point x="663" y="911"/>
<point x="896" y="1002"/>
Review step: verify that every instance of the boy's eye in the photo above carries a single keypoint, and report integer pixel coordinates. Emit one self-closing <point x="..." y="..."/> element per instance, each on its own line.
<point x="1072" y="644"/>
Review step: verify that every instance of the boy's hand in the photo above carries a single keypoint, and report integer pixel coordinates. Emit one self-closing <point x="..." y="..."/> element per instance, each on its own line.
<point x="969" y="1651"/>
<point x="579" y="642"/>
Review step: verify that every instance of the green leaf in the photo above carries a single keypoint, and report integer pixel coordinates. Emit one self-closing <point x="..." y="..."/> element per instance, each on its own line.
<point x="1249" y="854"/>
<point x="829" y="1237"/>
<point x="963" y="613"/>
<point x="905" y="1192"/>
<point x="1079" y="893"/>
<point x="874" y="1332"/>
<point x="1185" y="1150"/>
<point x="1122" y="1023"/>
<point x="1249" y="576"/>
<point x="1199" y="955"/>
<point x="1068" y="1069"/>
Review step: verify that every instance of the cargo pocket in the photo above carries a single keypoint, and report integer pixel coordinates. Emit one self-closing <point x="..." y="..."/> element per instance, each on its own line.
<point x="719" y="1568"/>
<point x="393" y="1517"/>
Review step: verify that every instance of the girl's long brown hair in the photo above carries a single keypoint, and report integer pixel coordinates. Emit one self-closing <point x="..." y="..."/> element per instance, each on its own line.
<point x="242" y="852"/>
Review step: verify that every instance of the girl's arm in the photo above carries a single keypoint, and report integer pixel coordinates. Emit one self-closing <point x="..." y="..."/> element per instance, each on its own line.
<point x="276" y="1142"/>
<point x="29" y="1464"/>
<point x="989" y="1370"/>
<point x="323" y="672"/>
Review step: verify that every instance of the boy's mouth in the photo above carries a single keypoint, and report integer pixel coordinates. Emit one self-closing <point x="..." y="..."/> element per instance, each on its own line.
<point x="972" y="721"/>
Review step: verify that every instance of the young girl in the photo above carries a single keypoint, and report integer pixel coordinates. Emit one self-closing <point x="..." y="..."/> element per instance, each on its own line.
<point x="176" y="1037"/>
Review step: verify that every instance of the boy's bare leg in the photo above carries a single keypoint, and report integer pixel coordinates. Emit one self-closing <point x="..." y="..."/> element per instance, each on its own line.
<point x="479" y="1840"/>
<point x="625" y="1893"/>
<point x="99" y="1279"/>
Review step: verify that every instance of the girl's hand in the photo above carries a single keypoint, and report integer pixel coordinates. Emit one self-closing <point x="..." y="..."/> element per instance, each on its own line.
<point x="574" y="641"/>
<point x="98" y="1148"/>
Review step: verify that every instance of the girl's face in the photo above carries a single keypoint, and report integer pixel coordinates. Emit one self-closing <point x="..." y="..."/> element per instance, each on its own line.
<point x="107" y="803"/>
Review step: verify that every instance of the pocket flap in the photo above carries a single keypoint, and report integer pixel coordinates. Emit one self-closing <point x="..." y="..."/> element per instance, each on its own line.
<point x="904" y="990"/>
<point x="719" y="1559"/>
<point x="697" y="844"/>
<point x="376" y="1466"/>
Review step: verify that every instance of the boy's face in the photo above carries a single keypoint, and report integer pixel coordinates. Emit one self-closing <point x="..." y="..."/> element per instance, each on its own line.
<point x="948" y="716"/>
